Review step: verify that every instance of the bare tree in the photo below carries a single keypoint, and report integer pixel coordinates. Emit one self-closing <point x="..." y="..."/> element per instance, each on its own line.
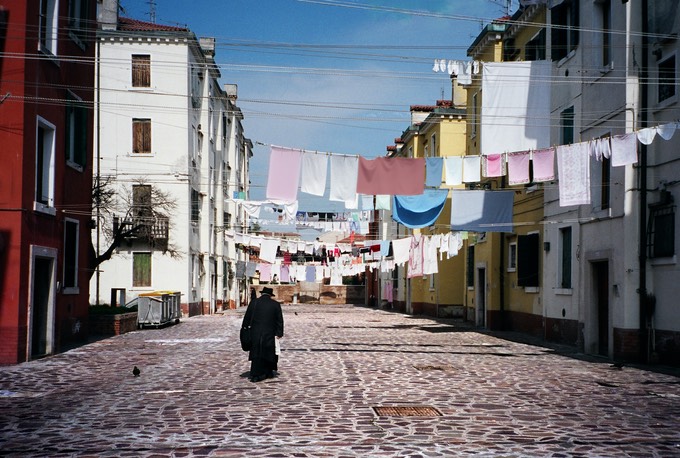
<point x="139" y="214"/>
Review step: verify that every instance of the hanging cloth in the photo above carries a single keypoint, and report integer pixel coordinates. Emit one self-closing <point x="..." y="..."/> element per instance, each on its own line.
<point x="284" y="174"/>
<point x="383" y="202"/>
<point x="344" y="171"/>
<point x="481" y="211"/>
<point x="314" y="173"/>
<point x="624" y="150"/>
<point x="415" y="257"/>
<point x="395" y="176"/>
<point x="493" y="165"/>
<point x="433" y="171"/>
<point x="573" y="170"/>
<point x="453" y="170"/>
<point x="518" y="168"/>
<point x="400" y="249"/>
<point x="543" y="162"/>
<point x="419" y="211"/>
<point x="472" y="169"/>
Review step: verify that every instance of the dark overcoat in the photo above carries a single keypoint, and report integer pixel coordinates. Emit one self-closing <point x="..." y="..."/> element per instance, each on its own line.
<point x="267" y="324"/>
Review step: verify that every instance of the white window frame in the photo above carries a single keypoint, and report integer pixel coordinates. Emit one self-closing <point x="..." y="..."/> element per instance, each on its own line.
<point x="45" y="202"/>
<point x="49" y="27"/>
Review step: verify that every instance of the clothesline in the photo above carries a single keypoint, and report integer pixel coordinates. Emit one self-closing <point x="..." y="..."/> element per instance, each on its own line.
<point x="291" y="169"/>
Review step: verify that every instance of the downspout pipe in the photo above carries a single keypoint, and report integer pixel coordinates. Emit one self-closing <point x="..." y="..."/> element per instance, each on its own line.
<point x="644" y="122"/>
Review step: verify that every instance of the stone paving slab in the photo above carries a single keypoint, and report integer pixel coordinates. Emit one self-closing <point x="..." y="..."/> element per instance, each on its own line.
<point x="496" y="397"/>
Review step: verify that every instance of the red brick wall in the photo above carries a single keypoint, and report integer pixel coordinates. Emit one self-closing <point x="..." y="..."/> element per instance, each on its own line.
<point x="12" y="345"/>
<point x="112" y="325"/>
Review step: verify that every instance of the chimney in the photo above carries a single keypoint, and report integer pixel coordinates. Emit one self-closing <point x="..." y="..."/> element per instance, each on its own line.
<point x="107" y="14"/>
<point x="231" y="90"/>
<point x="458" y="93"/>
<point x="207" y="46"/>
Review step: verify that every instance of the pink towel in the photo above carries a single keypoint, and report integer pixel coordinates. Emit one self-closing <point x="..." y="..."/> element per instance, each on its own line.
<point x="518" y="168"/>
<point x="284" y="174"/>
<point x="544" y="164"/>
<point x="395" y="176"/>
<point x="493" y="165"/>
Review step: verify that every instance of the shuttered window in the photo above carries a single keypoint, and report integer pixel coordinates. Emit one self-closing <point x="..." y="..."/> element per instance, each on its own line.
<point x="141" y="70"/>
<point x="141" y="269"/>
<point x="141" y="136"/>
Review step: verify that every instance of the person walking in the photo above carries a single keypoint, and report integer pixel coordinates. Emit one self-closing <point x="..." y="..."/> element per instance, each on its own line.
<point x="266" y="327"/>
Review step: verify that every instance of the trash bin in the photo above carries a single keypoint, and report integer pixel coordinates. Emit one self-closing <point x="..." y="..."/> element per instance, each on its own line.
<point x="158" y="308"/>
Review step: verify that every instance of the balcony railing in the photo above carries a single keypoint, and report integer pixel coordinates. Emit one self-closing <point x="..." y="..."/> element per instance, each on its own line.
<point x="153" y="230"/>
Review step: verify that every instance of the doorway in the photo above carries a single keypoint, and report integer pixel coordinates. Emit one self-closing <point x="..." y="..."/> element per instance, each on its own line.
<point x="480" y="297"/>
<point x="601" y="282"/>
<point x="41" y="307"/>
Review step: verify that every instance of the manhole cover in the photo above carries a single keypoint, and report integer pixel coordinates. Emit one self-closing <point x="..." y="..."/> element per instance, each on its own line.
<point x="407" y="411"/>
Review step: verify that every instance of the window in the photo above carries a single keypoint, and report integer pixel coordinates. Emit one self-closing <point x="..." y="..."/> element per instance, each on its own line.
<point x="78" y="11"/>
<point x="433" y="141"/>
<point x="661" y="229"/>
<point x="141" y="70"/>
<point x="564" y="28"/>
<point x="564" y="270"/>
<point x="606" y="22"/>
<point x="567" y="126"/>
<point x="195" y="206"/>
<point x="48" y="26"/>
<point x="473" y="129"/>
<point x="606" y="185"/>
<point x="667" y="79"/>
<point x="71" y="228"/>
<point x="141" y="201"/>
<point x="527" y="260"/>
<point x="76" y="132"/>
<point x="44" y="170"/>
<point x="512" y="257"/>
<point x="470" y="274"/>
<point x="141" y="136"/>
<point x="141" y="269"/>
<point x="535" y="48"/>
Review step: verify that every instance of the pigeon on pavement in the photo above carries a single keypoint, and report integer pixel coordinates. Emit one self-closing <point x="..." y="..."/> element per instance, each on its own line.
<point x="136" y="371"/>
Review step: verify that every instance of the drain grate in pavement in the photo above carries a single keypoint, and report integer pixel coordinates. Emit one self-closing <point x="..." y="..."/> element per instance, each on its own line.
<point x="406" y="411"/>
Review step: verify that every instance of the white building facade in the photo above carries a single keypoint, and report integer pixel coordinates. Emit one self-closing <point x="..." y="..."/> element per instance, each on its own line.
<point x="170" y="143"/>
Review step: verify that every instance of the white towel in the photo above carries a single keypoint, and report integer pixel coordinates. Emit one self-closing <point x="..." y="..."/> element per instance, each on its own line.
<point x="400" y="250"/>
<point x="472" y="169"/>
<point x="453" y="170"/>
<point x="314" y="173"/>
<point x="344" y="174"/>
<point x="624" y="150"/>
<point x="573" y="171"/>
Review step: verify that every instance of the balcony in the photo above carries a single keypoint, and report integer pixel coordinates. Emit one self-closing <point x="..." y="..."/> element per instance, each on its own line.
<point x="153" y="231"/>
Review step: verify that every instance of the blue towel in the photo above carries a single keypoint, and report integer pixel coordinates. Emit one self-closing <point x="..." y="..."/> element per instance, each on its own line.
<point x="421" y="210"/>
<point x="481" y="211"/>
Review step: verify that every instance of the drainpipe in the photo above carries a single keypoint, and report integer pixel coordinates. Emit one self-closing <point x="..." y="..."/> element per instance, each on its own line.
<point x="644" y="121"/>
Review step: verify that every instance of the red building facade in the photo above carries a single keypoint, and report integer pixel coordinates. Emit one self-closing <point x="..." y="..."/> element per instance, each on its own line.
<point x="47" y="50"/>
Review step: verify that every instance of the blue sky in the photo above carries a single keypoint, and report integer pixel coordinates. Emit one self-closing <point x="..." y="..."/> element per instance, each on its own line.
<point x="328" y="75"/>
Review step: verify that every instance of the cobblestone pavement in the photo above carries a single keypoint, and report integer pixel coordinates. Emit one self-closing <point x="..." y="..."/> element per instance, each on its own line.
<point x="490" y="396"/>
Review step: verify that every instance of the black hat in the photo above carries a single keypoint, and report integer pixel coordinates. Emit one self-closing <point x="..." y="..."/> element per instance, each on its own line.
<point x="267" y="290"/>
